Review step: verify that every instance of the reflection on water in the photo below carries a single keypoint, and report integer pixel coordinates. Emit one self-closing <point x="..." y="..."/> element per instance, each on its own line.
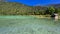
<point x="28" y="25"/>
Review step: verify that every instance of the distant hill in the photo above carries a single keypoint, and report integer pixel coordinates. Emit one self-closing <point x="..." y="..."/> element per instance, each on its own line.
<point x="54" y="5"/>
<point x="12" y="8"/>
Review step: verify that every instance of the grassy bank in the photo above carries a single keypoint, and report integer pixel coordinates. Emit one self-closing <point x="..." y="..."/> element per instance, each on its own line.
<point x="42" y="16"/>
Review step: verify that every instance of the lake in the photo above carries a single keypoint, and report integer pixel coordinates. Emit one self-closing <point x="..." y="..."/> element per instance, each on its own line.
<point x="28" y="25"/>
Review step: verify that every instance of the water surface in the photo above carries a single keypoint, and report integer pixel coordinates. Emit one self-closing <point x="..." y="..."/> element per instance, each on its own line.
<point x="28" y="25"/>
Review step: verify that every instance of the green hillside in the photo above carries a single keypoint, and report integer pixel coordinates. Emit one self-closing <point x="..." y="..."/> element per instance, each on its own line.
<point x="12" y="8"/>
<point x="7" y="8"/>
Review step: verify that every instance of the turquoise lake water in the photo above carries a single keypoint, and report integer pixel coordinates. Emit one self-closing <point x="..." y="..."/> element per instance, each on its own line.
<point x="28" y="25"/>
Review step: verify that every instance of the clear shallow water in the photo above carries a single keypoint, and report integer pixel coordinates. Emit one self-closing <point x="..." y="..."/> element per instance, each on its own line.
<point x="28" y="25"/>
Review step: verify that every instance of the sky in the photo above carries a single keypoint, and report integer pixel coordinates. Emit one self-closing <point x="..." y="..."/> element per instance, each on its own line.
<point x="36" y="2"/>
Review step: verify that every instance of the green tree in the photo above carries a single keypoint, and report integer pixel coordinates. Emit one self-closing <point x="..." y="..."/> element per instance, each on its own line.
<point x="50" y="10"/>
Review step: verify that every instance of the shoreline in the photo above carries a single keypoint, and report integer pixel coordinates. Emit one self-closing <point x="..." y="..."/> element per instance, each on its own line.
<point x="43" y="16"/>
<point x="37" y="16"/>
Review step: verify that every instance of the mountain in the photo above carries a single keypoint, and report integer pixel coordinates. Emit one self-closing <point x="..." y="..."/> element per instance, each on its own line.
<point x="13" y="8"/>
<point x="54" y="5"/>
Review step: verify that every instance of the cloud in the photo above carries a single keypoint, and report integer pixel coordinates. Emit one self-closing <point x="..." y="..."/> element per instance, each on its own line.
<point x="2" y="0"/>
